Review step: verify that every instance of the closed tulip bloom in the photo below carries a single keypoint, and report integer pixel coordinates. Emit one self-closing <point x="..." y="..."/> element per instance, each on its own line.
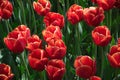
<point x="6" y="9"/>
<point x="106" y="4"/>
<point x="101" y="36"/>
<point x="33" y="42"/>
<point x="95" y="78"/>
<point x="38" y="59"/>
<point x="54" y="19"/>
<point x="114" y="56"/>
<point x="5" y="72"/>
<point x="114" y="49"/>
<point x="56" y="49"/>
<point x="93" y="16"/>
<point x="85" y="67"/>
<point x="15" y="42"/>
<point x="51" y="32"/>
<point x="75" y="14"/>
<point x="55" y="69"/>
<point x="24" y="30"/>
<point x="117" y="4"/>
<point x="42" y="7"/>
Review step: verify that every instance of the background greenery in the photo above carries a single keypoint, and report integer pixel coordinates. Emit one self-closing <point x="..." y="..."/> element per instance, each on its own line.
<point x="76" y="37"/>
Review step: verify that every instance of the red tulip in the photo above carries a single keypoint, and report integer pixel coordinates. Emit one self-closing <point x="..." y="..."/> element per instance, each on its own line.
<point x="114" y="56"/>
<point x="101" y="36"/>
<point x="93" y="16"/>
<point x="0" y="14"/>
<point x="42" y="7"/>
<point x="54" y="19"/>
<point x="117" y="4"/>
<point x="55" y="69"/>
<point x="85" y="67"/>
<point x="15" y="42"/>
<point x="56" y="49"/>
<point x="24" y="30"/>
<point x="52" y="32"/>
<point x="95" y="78"/>
<point x="75" y="14"/>
<point x="5" y="72"/>
<point x="6" y="9"/>
<point x="38" y="59"/>
<point x="114" y="49"/>
<point x="106" y="4"/>
<point x="94" y="1"/>
<point x="33" y="42"/>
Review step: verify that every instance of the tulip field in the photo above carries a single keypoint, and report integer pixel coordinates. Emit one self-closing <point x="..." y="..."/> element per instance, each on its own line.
<point x="59" y="40"/>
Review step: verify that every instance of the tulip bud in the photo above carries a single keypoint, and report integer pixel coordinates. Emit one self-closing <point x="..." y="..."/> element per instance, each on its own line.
<point x="93" y="16"/>
<point x="55" y="69"/>
<point x="33" y="42"/>
<point x="54" y="19"/>
<point x="75" y="14"/>
<point x="38" y="59"/>
<point x="85" y="67"/>
<point x="101" y="36"/>
<point x="42" y="7"/>
<point x="5" y="72"/>
<point x="6" y="9"/>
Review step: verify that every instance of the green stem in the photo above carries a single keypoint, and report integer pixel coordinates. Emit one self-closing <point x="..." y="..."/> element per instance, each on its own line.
<point x="7" y="26"/>
<point x="100" y="59"/>
<point x="25" y="65"/>
<point x="77" y="39"/>
<point x="42" y="75"/>
<point x="23" y="11"/>
<point x="34" y="20"/>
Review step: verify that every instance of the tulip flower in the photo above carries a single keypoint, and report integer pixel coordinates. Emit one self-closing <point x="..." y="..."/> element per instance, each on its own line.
<point x="24" y="30"/>
<point x="38" y="59"/>
<point x="95" y="78"/>
<point x="55" y="69"/>
<point x="15" y="42"/>
<point x="114" y="56"/>
<point x="17" y="39"/>
<point x="75" y="14"/>
<point x="93" y="16"/>
<point x="6" y="9"/>
<point x="33" y="42"/>
<point x="94" y="1"/>
<point x="106" y="4"/>
<point x="42" y="7"/>
<point x="85" y="67"/>
<point x="54" y="19"/>
<point x="5" y="72"/>
<point x="117" y="4"/>
<point x="56" y="49"/>
<point x="51" y="32"/>
<point x="101" y="36"/>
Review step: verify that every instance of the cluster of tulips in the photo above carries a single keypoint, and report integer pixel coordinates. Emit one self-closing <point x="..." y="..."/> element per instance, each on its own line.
<point x="49" y="56"/>
<point x="41" y="57"/>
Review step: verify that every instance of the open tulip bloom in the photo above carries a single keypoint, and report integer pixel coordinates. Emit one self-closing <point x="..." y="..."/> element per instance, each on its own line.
<point x="59" y="39"/>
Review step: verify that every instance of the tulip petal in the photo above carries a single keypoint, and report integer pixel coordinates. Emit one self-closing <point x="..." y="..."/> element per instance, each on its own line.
<point x="10" y="42"/>
<point x="59" y="74"/>
<point x="112" y="61"/>
<point x="84" y="71"/>
<point x="95" y="78"/>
